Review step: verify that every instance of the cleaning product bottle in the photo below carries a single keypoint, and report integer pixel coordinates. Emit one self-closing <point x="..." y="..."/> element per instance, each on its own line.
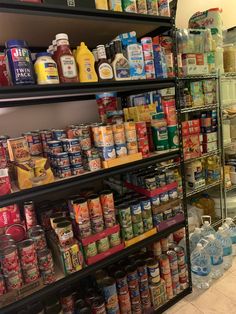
<point x="215" y="250"/>
<point x="232" y="231"/>
<point x="85" y="60"/>
<point x="226" y="242"/>
<point x="201" y="268"/>
<point x="194" y="238"/>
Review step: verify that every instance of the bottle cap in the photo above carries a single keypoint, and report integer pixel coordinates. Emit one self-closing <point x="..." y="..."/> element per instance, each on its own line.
<point x="43" y="54"/>
<point x="16" y="43"/>
<point x="211" y="237"/>
<point x="199" y="246"/>
<point x="197" y="230"/>
<point x="61" y="36"/>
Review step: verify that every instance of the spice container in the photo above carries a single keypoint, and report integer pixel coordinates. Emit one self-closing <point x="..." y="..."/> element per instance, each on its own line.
<point x="46" y="69"/>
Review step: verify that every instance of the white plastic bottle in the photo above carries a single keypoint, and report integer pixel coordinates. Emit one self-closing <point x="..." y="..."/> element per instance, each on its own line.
<point x="215" y="250"/>
<point x="201" y="268"/>
<point x="207" y="229"/>
<point x="194" y="238"/>
<point x="226" y="242"/>
<point x="232" y="230"/>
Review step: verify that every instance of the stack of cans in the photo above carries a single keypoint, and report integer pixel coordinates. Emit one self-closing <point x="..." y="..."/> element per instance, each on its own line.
<point x="148" y="54"/>
<point x="123" y="292"/>
<point x="131" y="137"/>
<point x="143" y="284"/>
<point x="166" y="275"/>
<point x="143" y="146"/>
<point x="172" y="256"/>
<point x="104" y="141"/>
<point x="182" y="267"/>
<point x="125" y="221"/>
<point x="119" y="139"/>
<point x="133" y="284"/>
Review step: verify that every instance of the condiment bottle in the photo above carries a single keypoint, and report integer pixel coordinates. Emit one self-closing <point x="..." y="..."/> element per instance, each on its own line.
<point x="85" y="61"/>
<point x="95" y="54"/>
<point x="120" y="64"/>
<point x="65" y="61"/>
<point x="104" y="69"/>
<point x="46" y="69"/>
<point x="108" y="53"/>
<point x="19" y="63"/>
<point x="112" y="51"/>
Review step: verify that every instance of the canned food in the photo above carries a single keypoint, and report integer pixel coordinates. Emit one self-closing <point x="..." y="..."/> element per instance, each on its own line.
<point x="147" y="224"/>
<point x="27" y="253"/>
<point x="164" y="197"/>
<point x="145" y="299"/>
<point x="9" y="260"/>
<point x="156" y="249"/>
<point x="38" y="236"/>
<point x="45" y="260"/>
<point x="48" y="276"/>
<point x="136" y="212"/>
<point x="138" y="228"/>
<point x="14" y="281"/>
<point x="58" y="134"/>
<point x="127" y="233"/>
<point x="146" y="207"/>
<point x="56" y="221"/>
<point x="31" y="274"/>
<point x="110" y="295"/>
<point x="67" y="301"/>
<point x="150" y="183"/>
<point x="164" y="244"/>
<point x="170" y="176"/>
<point x="55" y="147"/>
<point x="76" y="169"/>
<point x="176" y="209"/>
<point x="103" y="245"/>
<point x="64" y="172"/>
<point x="30" y="215"/>
<point x="142" y="270"/>
<point x="167" y="214"/>
<point x="161" y="179"/>
<point x="75" y="158"/>
<point x="155" y="200"/>
<point x="173" y="194"/>
<point x="60" y="159"/>
<point x="64" y="233"/>
<point x="2" y="285"/>
<point x="121" y="282"/>
<point x="121" y="150"/>
<point x="97" y="224"/>
<point x="132" y="148"/>
<point x="107" y="201"/>
<point x="114" y="239"/>
<point x="70" y="145"/>
<point x="124" y="303"/>
<point x="132" y="277"/>
<point x="105" y="136"/>
<point x="180" y="255"/>
<point x="91" y="250"/>
<point x="124" y="213"/>
<point x="172" y="256"/>
<point x="164" y="264"/>
<point x="119" y="134"/>
<point x="98" y="306"/>
<point x="153" y="268"/>
<point x="157" y="219"/>
<point x="34" y="143"/>
<point x="94" y="205"/>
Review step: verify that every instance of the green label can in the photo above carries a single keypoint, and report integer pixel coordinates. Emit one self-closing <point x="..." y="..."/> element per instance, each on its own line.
<point x="147" y="224"/>
<point x="91" y="250"/>
<point x="124" y="214"/>
<point x="127" y="233"/>
<point x="173" y="136"/>
<point x="103" y="245"/>
<point x="114" y="239"/>
<point x="138" y="228"/>
<point x="129" y="6"/>
<point x="160" y="138"/>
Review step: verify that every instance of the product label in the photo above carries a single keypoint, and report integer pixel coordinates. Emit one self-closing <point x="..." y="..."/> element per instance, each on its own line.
<point x="68" y="66"/>
<point x="136" y="61"/>
<point x="162" y="134"/>
<point x="122" y="69"/>
<point x="227" y="251"/>
<point x="46" y="73"/>
<point x="216" y="260"/>
<point x="105" y="71"/>
<point x="21" y="63"/>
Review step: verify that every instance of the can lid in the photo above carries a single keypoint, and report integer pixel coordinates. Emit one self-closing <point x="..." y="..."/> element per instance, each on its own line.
<point x="43" y="54"/>
<point x="17" y="232"/>
<point x="16" y="43"/>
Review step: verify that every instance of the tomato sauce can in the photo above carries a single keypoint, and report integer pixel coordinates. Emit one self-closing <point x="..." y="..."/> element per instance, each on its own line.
<point x="2" y="285"/>
<point x="31" y="274"/>
<point x="98" y="306"/>
<point x="30" y="215"/>
<point x="55" y="147"/>
<point x="110" y="295"/>
<point x="27" y="253"/>
<point x="39" y="239"/>
<point x="9" y="260"/>
<point x="34" y="143"/>
<point x="14" y="281"/>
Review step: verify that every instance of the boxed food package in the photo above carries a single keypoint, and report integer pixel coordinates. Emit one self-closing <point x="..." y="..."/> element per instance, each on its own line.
<point x="191" y="146"/>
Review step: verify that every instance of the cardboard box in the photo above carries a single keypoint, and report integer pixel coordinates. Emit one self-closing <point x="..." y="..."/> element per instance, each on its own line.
<point x="191" y="146"/>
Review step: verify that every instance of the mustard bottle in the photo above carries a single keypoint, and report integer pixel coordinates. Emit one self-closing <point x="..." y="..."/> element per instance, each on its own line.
<point x="85" y="61"/>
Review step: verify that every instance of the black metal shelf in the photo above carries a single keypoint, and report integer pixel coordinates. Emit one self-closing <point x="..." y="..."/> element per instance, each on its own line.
<point x="81" y="24"/>
<point x="74" y="278"/>
<point x="200" y="108"/>
<point x="198" y="77"/>
<point x="41" y="94"/>
<point x="213" y="153"/>
<point x="202" y="189"/>
<point x="66" y="184"/>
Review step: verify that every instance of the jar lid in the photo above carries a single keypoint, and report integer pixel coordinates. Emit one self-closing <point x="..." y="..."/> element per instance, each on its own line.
<point x="61" y="36"/>
<point x="43" y="54"/>
<point x="15" y="43"/>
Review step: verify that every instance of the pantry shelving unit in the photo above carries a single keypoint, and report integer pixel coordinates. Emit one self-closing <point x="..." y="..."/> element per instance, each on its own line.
<point x="46" y="21"/>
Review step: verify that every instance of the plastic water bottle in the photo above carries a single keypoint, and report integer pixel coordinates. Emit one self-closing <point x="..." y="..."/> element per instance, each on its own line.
<point x="226" y="242"/>
<point x="215" y="250"/>
<point x="207" y="229"/>
<point x="232" y="230"/>
<point x="201" y="268"/>
<point x="194" y="238"/>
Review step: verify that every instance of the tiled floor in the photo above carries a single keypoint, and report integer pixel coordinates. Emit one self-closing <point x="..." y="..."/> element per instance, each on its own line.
<point x="220" y="298"/>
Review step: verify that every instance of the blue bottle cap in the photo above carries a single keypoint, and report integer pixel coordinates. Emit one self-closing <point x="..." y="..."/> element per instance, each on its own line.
<point x="16" y="43"/>
<point x="43" y="54"/>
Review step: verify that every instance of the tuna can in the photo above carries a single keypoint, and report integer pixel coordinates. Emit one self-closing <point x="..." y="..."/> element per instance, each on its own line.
<point x="9" y="260"/>
<point x="14" y="281"/>
<point x="30" y="215"/>
<point x="164" y="197"/>
<point x="124" y="213"/>
<point x="76" y="169"/>
<point x="55" y="147"/>
<point x="138" y="228"/>
<point x="31" y="274"/>
<point x="147" y="224"/>
<point x="45" y="260"/>
<point x="150" y="183"/>
<point x="39" y="239"/>
<point x="70" y="145"/>
<point x="34" y="143"/>
<point x="121" y="282"/>
<point x="173" y="194"/>
<point x="121" y="150"/>
<point x="58" y="134"/>
<point x="146" y="207"/>
<point x="3" y="289"/>
<point x="127" y="233"/>
<point x="132" y="148"/>
<point x="75" y="158"/>
<point x="91" y="250"/>
<point x="64" y="172"/>
<point x="27" y="253"/>
<point x="98" y="306"/>
<point x="167" y="214"/>
<point x="114" y="239"/>
<point x="61" y="159"/>
<point x="180" y="255"/>
<point x="136" y="212"/>
<point x="157" y="219"/>
<point x="103" y="245"/>
<point x="153" y="270"/>
<point x="164" y="264"/>
<point x="155" y="200"/>
<point x="110" y="295"/>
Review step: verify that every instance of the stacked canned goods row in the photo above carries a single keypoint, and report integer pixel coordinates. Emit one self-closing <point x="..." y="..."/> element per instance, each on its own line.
<point x="170" y="210"/>
<point x="135" y="215"/>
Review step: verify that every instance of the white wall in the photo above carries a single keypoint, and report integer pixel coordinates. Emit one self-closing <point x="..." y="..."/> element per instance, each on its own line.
<point x="186" y="8"/>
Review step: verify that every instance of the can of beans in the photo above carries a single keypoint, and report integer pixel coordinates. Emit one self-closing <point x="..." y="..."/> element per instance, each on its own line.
<point x="27" y="253"/>
<point x="38" y="236"/>
<point x="103" y="245"/>
<point x="124" y="214"/>
<point x="31" y="274"/>
<point x="55" y="147"/>
<point x="91" y="250"/>
<point x="14" y="281"/>
<point x="64" y="172"/>
<point x="75" y="158"/>
<point x="61" y="159"/>
<point x="110" y="295"/>
<point x="98" y="306"/>
<point x="70" y="145"/>
<point x="3" y="289"/>
<point x="30" y="215"/>
<point x="114" y="239"/>
<point x="180" y="255"/>
<point x="9" y="260"/>
<point x="127" y="233"/>
<point x="34" y="143"/>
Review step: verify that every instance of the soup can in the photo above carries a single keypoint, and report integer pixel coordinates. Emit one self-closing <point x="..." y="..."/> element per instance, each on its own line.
<point x="55" y="147"/>
<point x="30" y="215"/>
<point x="60" y="159"/>
<point x="31" y="274"/>
<point x="70" y="145"/>
<point x="9" y="260"/>
<point x="110" y="295"/>
<point x="27" y="252"/>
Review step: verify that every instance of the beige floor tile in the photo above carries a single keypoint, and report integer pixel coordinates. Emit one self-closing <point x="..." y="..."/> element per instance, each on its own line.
<point x="213" y="301"/>
<point x="186" y="309"/>
<point x="176" y="307"/>
<point x="227" y="287"/>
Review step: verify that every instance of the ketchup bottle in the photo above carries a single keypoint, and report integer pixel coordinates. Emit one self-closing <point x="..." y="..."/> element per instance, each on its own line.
<point x="65" y="61"/>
